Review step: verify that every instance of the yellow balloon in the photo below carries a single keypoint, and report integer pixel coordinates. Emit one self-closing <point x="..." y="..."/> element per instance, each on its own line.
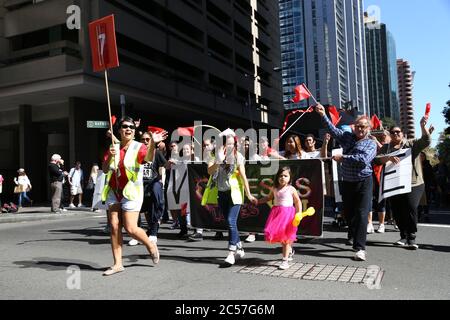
<point x="300" y="215"/>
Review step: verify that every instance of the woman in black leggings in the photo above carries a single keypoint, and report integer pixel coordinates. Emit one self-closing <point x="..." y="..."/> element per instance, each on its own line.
<point x="404" y="206"/>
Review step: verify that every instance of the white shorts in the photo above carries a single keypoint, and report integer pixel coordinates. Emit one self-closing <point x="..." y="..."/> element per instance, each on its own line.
<point x="74" y="190"/>
<point x="126" y="205"/>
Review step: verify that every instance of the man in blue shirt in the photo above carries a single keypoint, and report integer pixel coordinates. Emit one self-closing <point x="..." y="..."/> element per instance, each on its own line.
<point x="356" y="160"/>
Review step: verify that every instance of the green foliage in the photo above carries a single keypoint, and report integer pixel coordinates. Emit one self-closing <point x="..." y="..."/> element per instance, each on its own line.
<point x="444" y="150"/>
<point x="388" y="123"/>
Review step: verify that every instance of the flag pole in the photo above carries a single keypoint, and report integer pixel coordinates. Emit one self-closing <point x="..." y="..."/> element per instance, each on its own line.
<point x="109" y="106"/>
<point x="281" y="136"/>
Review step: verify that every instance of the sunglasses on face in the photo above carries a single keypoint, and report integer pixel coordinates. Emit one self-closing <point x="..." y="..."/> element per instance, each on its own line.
<point x="145" y="139"/>
<point x="360" y="126"/>
<point x="126" y="126"/>
<point x="396" y="132"/>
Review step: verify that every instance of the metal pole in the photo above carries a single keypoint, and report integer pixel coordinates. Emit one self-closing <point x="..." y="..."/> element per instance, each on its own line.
<point x="250" y="110"/>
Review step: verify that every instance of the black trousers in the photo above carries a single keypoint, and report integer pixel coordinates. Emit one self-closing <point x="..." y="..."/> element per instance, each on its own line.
<point x="153" y="206"/>
<point x="404" y="207"/>
<point x="357" y="197"/>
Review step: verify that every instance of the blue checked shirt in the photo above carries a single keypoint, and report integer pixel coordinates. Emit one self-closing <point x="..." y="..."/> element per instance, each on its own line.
<point x="358" y="155"/>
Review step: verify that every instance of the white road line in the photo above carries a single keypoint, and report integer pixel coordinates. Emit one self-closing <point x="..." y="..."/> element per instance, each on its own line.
<point x="434" y="225"/>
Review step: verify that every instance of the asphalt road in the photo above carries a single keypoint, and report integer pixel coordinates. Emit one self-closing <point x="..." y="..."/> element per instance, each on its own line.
<point x="37" y="260"/>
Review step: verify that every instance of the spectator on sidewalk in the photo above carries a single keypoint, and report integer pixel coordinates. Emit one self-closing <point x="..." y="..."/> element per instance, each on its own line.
<point x="23" y="185"/>
<point x="76" y="180"/>
<point x="90" y="186"/>
<point x="1" y="189"/>
<point x="56" y="180"/>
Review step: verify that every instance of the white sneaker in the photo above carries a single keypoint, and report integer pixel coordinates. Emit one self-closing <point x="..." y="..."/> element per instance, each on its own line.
<point x="240" y="253"/>
<point x="72" y="205"/>
<point x="381" y="228"/>
<point x="250" y="238"/>
<point x="80" y="205"/>
<point x="284" y="265"/>
<point x="360" y="255"/>
<point x="153" y="239"/>
<point x="370" y="228"/>
<point x="291" y="255"/>
<point x="64" y="209"/>
<point x="133" y="242"/>
<point x="230" y="258"/>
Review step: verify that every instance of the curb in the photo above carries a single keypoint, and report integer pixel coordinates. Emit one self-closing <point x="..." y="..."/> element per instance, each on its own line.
<point x="25" y="217"/>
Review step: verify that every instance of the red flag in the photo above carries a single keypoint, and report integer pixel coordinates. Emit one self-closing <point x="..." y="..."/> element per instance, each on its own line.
<point x="154" y="129"/>
<point x="301" y="93"/>
<point x="113" y="119"/>
<point x="334" y="115"/>
<point x="188" y="131"/>
<point x="102" y="36"/>
<point x="376" y="123"/>
<point x="427" y="110"/>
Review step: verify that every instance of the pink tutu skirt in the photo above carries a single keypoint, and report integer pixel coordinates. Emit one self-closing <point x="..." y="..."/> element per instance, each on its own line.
<point x="279" y="226"/>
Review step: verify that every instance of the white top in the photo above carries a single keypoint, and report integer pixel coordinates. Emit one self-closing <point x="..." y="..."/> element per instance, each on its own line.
<point x="22" y="180"/>
<point x="311" y="155"/>
<point x="75" y="176"/>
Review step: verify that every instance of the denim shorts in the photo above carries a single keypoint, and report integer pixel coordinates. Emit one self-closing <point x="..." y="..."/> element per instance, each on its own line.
<point x="126" y="205"/>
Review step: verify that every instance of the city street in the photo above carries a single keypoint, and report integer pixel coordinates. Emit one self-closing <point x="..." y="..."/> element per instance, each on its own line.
<point x="38" y="260"/>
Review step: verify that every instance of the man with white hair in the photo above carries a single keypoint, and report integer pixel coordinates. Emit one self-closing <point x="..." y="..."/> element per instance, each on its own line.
<point x="56" y="181"/>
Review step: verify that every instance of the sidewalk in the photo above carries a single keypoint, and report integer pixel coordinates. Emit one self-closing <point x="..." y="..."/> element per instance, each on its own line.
<point x="44" y="213"/>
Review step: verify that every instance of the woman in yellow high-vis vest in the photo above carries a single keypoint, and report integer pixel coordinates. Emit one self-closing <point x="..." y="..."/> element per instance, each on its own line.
<point x="123" y="192"/>
<point x="227" y="169"/>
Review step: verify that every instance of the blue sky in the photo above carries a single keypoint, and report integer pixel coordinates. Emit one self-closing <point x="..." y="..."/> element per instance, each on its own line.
<point x="422" y="34"/>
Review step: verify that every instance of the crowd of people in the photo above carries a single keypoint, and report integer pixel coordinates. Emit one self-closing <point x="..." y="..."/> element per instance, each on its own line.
<point x="138" y="170"/>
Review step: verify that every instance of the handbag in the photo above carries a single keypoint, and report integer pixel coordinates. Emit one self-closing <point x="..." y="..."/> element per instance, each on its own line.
<point x="18" y="189"/>
<point x="211" y="193"/>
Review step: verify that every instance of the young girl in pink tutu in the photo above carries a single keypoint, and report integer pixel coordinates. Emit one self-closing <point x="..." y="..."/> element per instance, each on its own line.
<point x="279" y="227"/>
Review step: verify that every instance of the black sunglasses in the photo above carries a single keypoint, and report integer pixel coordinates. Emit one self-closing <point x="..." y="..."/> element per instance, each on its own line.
<point x="145" y="139"/>
<point x="395" y="132"/>
<point x="126" y="126"/>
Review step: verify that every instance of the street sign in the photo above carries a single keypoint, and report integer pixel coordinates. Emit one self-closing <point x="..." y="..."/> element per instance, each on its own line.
<point x="97" y="124"/>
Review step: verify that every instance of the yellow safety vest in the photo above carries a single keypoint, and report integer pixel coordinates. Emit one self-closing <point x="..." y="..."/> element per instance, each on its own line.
<point x="210" y="195"/>
<point x="134" y="189"/>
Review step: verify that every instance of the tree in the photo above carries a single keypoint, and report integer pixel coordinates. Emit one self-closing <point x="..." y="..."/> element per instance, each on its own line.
<point x="444" y="145"/>
<point x="446" y="113"/>
<point x="388" y="123"/>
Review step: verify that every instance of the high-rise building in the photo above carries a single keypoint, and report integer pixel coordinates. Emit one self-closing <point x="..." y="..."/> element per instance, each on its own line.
<point x="180" y="61"/>
<point x="323" y="45"/>
<point x="405" y="88"/>
<point x="381" y="70"/>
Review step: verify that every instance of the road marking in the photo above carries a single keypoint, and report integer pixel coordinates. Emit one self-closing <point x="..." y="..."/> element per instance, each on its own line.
<point x="434" y="225"/>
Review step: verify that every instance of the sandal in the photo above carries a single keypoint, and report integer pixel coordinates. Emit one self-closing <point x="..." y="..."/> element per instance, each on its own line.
<point x="113" y="270"/>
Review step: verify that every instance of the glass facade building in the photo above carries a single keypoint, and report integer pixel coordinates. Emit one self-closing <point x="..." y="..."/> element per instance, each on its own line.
<point x="382" y="71"/>
<point x="323" y="45"/>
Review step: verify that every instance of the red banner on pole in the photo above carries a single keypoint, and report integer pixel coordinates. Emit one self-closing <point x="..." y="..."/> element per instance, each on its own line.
<point x="102" y="36"/>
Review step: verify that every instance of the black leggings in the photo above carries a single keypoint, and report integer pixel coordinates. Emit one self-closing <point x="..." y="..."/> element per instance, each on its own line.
<point x="404" y="208"/>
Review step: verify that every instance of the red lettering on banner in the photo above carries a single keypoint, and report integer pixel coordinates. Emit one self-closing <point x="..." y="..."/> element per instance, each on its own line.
<point x="102" y="36"/>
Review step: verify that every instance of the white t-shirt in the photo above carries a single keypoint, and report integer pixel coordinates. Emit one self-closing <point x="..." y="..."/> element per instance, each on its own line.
<point x="75" y="176"/>
<point x="311" y="155"/>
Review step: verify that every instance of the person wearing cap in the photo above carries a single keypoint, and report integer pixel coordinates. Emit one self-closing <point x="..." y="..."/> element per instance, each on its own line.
<point x="56" y="181"/>
<point x="23" y="185"/>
